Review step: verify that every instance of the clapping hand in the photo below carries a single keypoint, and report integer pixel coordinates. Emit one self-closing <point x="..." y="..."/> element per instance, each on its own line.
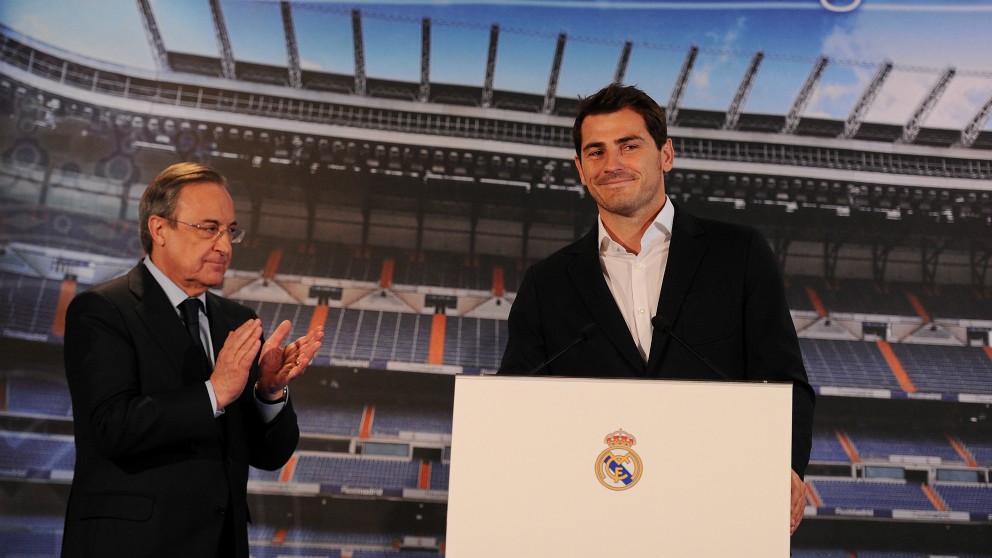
<point x="279" y="365"/>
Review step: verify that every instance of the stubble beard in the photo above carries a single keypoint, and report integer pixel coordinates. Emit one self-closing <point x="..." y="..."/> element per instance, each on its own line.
<point x="625" y="204"/>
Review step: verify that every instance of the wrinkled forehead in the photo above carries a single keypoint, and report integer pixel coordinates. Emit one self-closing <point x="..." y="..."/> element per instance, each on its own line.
<point x="205" y="201"/>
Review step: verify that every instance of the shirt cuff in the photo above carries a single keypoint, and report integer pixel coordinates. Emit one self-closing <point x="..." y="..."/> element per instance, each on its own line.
<point x="213" y="399"/>
<point x="270" y="410"/>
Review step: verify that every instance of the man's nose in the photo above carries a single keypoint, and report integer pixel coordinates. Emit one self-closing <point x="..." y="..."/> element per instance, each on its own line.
<point x="613" y="159"/>
<point x="223" y="242"/>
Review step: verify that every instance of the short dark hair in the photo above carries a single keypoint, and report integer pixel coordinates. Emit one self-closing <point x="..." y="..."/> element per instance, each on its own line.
<point x="161" y="195"/>
<point x="615" y="97"/>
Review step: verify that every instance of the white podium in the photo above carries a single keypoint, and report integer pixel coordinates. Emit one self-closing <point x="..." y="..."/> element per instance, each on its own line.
<point x="567" y="467"/>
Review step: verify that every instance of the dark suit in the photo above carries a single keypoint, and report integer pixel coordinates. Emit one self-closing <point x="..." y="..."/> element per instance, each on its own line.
<point x="722" y="293"/>
<point x="156" y="474"/>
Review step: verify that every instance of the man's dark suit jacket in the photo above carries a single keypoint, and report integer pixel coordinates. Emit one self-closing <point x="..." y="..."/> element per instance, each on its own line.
<point x="155" y="472"/>
<point x="722" y="293"/>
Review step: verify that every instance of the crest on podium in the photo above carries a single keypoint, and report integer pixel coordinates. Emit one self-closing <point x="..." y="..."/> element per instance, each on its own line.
<point x="619" y="467"/>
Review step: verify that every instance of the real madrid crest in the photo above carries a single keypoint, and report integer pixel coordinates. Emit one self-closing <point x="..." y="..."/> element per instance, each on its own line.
<point x="619" y="467"/>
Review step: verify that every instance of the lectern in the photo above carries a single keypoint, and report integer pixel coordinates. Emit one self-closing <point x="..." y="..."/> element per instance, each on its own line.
<point x="568" y="467"/>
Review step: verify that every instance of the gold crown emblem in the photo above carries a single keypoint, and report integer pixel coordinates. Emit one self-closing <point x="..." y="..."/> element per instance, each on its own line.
<point x="620" y="438"/>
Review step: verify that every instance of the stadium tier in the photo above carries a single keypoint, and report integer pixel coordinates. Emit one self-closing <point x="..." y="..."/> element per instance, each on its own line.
<point x="882" y="495"/>
<point x="30" y="535"/>
<point x="375" y="336"/>
<point x="261" y="550"/>
<point x="439" y="476"/>
<point x="49" y="64"/>
<point x="29" y="303"/>
<point x="37" y="396"/>
<point x="940" y="369"/>
<point x="827" y="447"/>
<point x="404" y="267"/>
<point x="882" y="444"/>
<point x="392" y="421"/>
<point x="974" y="498"/>
<point x="35" y="456"/>
<point x="848" y="295"/>
<point x="338" y="420"/>
<point x="821" y="553"/>
<point x="403" y="222"/>
<point x="357" y="472"/>
<point x="980" y="447"/>
<point x="846" y="364"/>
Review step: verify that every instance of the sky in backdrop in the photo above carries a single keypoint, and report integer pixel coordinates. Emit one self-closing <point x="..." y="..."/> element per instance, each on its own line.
<point x="922" y="38"/>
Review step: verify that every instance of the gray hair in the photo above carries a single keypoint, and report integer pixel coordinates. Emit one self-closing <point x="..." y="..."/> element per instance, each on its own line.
<point x="162" y="193"/>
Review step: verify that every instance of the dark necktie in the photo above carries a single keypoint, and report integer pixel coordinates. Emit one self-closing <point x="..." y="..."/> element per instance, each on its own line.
<point x="191" y="315"/>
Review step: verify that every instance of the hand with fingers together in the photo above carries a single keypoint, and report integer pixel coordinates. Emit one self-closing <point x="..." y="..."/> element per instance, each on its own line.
<point x="278" y="365"/>
<point x="799" y="491"/>
<point x="234" y="361"/>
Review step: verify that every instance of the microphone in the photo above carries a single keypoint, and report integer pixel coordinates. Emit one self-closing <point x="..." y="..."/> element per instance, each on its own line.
<point x="664" y="325"/>
<point x="585" y="333"/>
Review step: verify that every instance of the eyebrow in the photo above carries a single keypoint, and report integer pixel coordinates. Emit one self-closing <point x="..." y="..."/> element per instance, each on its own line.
<point x="218" y="223"/>
<point x="618" y="141"/>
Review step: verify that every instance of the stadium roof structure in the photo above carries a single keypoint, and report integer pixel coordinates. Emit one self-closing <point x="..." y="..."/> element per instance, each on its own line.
<point x="783" y="168"/>
<point x="292" y="75"/>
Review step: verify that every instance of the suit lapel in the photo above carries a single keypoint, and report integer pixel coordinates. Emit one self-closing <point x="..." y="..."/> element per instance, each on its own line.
<point x="586" y="275"/>
<point x="685" y="253"/>
<point x="156" y="312"/>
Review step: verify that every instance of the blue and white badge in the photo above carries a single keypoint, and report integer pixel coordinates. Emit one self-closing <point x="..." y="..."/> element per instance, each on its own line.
<point x="619" y="467"/>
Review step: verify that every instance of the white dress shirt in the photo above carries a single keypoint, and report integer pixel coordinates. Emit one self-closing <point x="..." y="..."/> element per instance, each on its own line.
<point x="176" y="296"/>
<point x="635" y="279"/>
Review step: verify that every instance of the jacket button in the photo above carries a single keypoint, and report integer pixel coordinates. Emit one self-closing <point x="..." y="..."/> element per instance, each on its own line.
<point x="220" y="511"/>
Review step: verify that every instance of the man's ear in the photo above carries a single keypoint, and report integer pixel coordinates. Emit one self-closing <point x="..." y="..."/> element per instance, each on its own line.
<point x="667" y="155"/>
<point x="156" y="226"/>
<point x="578" y="167"/>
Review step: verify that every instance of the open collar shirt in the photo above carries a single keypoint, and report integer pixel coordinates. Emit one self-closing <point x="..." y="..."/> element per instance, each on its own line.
<point x="636" y="279"/>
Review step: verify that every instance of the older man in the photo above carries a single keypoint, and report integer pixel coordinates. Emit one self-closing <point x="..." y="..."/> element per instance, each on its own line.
<point x="174" y="392"/>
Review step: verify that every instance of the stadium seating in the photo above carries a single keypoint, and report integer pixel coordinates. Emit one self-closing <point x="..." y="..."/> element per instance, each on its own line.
<point x="33" y="396"/>
<point x="819" y="553"/>
<point x="882" y="443"/>
<point x="430" y="268"/>
<point x="29" y="303"/>
<point x="30" y="536"/>
<point x="357" y="472"/>
<point x="475" y="342"/>
<point x="390" y="420"/>
<point x="846" y="364"/>
<point x="946" y="369"/>
<point x="260" y="475"/>
<point x="862" y="494"/>
<point x="395" y="554"/>
<point x="859" y="296"/>
<point x="980" y="447"/>
<point x="340" y="419"/>
<point x="957" y="302"/>
<point x="827" y="448"/>
<point x="976" y="498"/>
<point x="30" y="543"/>
<point x="35" y="455"/>
<point x="259" y="550"/>
<point x="439" y="475"/>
